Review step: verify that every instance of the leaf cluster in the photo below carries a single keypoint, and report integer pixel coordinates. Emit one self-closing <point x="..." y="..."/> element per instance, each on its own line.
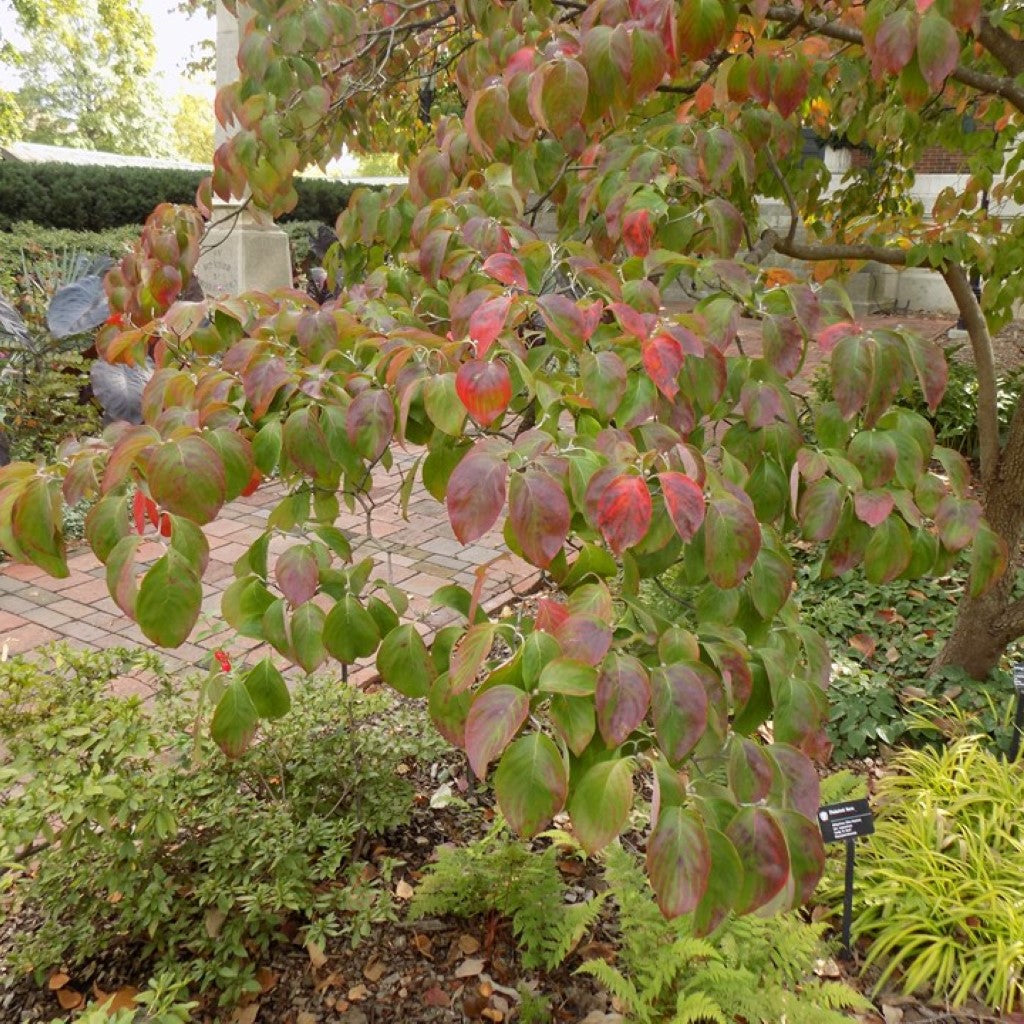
<point x="140" y="832"/>
<point x="939" y="890"/>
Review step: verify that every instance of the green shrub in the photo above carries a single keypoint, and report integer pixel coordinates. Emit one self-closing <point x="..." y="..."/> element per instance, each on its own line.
<point x="98" y="198"/>
<point x="940" y="885"/>
<point x="955" y="421"/>
<point x="28" y="246"/>
<point x="884" y="639"/>
<point x="40" y="408"/>
<point x="143" y="834"/>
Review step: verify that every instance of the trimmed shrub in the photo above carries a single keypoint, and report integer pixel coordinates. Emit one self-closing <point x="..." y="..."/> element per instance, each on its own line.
<point x="89" y="198"/>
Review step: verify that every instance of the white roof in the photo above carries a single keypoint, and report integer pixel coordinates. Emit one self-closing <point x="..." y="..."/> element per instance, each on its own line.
<point x="36" y="153"/>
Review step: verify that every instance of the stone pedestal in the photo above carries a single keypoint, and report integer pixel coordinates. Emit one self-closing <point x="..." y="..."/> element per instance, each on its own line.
<point x="239" y="254"/>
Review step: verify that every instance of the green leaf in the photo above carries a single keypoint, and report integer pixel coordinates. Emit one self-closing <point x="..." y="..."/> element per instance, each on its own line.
<point x="169" y="600"/>
<point x="404" y="662"/>
<point x="732" y="539"/>
<point x="724" y="884"/>
<point x="531" y="783"/>
<point x="268" y="690"/>
<point x="307" y="629"/>
<point x="234" y="720"/>
<point x="350" y="632"/>
<point x="888" y="551"/>
<point x="601" y="801"/>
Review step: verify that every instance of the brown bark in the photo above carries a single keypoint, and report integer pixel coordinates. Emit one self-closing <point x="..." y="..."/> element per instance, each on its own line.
<point x="986" y="625"/>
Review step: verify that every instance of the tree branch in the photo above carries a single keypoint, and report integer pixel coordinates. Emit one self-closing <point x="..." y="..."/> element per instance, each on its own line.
<point x="993" y="84"/>
<point x="984" y="363"/>
<point x="794" y="211"/>
<point x="1007" y="50"/>
<point x="839" y="251"/>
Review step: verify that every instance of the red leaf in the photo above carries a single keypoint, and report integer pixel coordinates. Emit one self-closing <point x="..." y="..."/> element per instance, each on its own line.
<point x="679" y="706"/>
<point x="685" y="502"/>
<point x="564" y="319"/>
<point x="894" y="42"/>
<point x="507" y="269"/>
<point x="631" y="321"/>
<point x="624" y="512"/>
<point x="663" y="359"/>
<point x="938" y="49"/>
<point x="476" y="494"/>
<point x="623" y="695"/>
<point x="484" y="388"/>
<point x="790" y="85"/>
<point x="165" y="525"/>
<point x="539" y="515"/>
<point x="637" y="232"/>
<point x="829" y="337"/>
<point x="488" y="321"/>
<point x="139" y="512"/>
<point x="297" y="574"/>
<point x="495" y="716"/>
<point x="762" y="848"/>
<point x="873" y="507"/>
<point x="678" y="861"/>
<point x="584" y="637"/>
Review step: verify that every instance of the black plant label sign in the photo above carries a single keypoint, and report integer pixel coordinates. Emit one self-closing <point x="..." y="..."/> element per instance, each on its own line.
<point x="1018" y="677"/>
<point x="848" y="820"/>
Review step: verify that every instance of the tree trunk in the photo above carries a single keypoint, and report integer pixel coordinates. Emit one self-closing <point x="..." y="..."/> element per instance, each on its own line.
<point x="986" y="625"/>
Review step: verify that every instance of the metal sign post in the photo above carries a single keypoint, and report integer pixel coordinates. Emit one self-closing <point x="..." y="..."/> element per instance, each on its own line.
<point x="843" y="823"/>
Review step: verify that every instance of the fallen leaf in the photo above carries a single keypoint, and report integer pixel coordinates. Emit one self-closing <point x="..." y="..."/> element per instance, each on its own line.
<point x="597" y="1017"/>
<point x="57" y="980"/>
<point x="374" y="971"/>
<point x="493" y="1014"/>
<point x="436" y="996"/>
<point x="70" y="999"/>
<point x="115" y="897"/>
<point x="358" y="993"/>
<point x="468" y="944"/>
<point x="422" y="943"/>
<point x="305" y="1017"/>
<point x="213" y="921"/>
<point x="863" y="643"/>
<point x="892" y="1014"/>
<point x="267" y="978"/>
<point x="404" y="891"/>
<point x="122" y="999"/>
<point x="316" y="955"/>
<point x="469" y="969"/>
<point x="246" y="1014"/>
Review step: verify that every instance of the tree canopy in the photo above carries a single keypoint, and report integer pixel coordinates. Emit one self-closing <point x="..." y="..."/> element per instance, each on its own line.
<point x="86" y="75"/>
<point x="549" y="311"/>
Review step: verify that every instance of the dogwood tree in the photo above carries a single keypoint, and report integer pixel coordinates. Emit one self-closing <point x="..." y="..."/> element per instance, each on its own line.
<point x="549" y="313"/>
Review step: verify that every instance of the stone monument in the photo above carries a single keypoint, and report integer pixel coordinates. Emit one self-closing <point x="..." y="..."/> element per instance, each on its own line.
<point x="239" y="254"/>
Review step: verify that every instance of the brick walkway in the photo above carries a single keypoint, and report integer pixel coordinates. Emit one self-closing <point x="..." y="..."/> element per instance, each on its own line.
<point x="419" y="555"/>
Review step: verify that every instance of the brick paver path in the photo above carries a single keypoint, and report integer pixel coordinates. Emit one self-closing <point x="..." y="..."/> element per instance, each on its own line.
<point x="419" y="555"/>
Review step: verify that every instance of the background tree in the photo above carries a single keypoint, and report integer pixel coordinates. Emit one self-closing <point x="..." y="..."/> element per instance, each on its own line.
<point x="512" y="313"/>
<point x="86" y="74"/>
<point x="11" y="118"/>
<point x="192" y="128"/>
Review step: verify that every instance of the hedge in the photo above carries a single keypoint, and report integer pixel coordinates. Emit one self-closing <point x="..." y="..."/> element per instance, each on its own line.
<point x="87" y="198"/>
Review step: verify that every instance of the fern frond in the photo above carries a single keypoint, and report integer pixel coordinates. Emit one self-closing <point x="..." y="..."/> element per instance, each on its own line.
<point x="619" y="986"/>
<point x="698" y="1008"/>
